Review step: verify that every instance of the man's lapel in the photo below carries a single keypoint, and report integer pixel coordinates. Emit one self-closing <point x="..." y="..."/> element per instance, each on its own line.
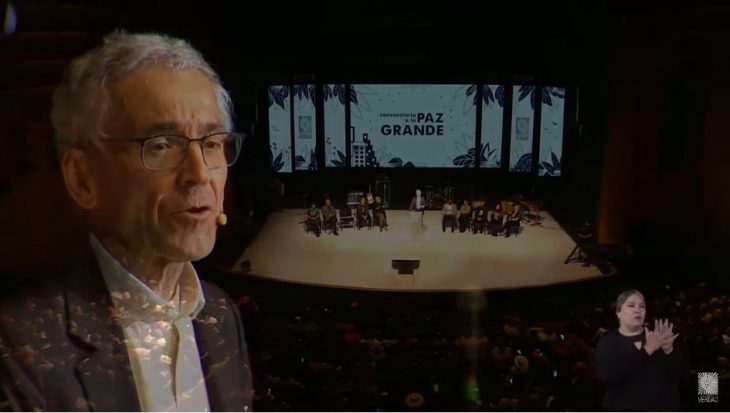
<point x="103" y="367"/>
<point x="223" y="358"/>
<point x="211" y="361"/>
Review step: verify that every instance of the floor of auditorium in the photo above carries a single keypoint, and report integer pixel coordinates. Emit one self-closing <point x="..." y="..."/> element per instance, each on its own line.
<point x="362" y="259"/>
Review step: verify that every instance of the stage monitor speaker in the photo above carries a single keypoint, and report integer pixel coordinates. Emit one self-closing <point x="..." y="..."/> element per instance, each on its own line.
<point x="406" y="266"/>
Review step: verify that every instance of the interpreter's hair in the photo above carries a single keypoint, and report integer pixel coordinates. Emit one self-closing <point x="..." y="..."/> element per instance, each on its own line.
<point x="625" y="296"/>
<point x="81" y="103"/>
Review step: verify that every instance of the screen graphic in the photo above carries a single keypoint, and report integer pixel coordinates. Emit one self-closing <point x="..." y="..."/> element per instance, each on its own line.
<point x="305" y="128"/>
<point x="334" y="125"/>
<point x="280" y="128"/>
<point x="551" y="131"/>
<point x="413" y="126"/>
<point x="523" y="118"/>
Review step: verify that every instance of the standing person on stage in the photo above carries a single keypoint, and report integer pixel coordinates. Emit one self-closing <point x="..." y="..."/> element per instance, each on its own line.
<point x="449" y="218"/>
<point x="418" y="204"/>
<point x="640" y="367"/>
<point x="464" y="215"/>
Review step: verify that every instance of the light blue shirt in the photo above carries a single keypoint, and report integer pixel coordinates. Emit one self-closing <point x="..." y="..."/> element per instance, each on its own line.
<point x="159" y="336"/>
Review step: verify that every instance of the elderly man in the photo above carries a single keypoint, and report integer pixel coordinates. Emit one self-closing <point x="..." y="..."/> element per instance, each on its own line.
<point x="418" y="205"/>
<point x="143" y="128"/>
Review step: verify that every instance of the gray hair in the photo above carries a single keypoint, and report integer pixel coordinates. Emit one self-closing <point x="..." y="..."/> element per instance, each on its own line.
<point x="81" y="101"/>
<point x="625" y="296"/>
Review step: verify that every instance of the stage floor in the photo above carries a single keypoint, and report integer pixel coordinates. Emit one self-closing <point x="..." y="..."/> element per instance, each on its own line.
<point x="456" y="261"/>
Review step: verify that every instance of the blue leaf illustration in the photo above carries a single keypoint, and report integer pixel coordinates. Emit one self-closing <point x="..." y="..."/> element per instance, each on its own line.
<point x="486" y="153"/>
<point x="352" y="95"/>
<point x="326" y="92"/>
<point x="409" y="165"/>
<point x="524" y="92"/>
<point x="552" y="169"/>
<point x="463" y="160"/>
<point x="546" y="96"/>
<point x="277" y="95"/>
<point x="278" y="162"/>
<point x="396" y="162"/>
<point x="524" y="164"/>
<point x="471" y="89"/>
<point x="312" y="92"/>
<point x="300" y="90"/>
<point x="548" y="168"/>
<point x="487" y="95"/>
<point x="499" y="95"/>
<point x="527" y="91"/>
<point x="556" y="160"/>
<point x="558" y="92"/>
<point x="341" y="162"/>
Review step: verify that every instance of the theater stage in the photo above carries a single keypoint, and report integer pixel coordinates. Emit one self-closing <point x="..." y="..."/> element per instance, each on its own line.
<point x="449" y="261"/>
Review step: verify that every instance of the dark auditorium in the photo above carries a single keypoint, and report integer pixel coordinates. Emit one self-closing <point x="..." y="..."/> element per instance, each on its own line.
<point x="364" y="206"/>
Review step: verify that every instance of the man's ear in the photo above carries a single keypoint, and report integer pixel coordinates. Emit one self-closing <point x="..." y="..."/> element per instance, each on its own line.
<point x="79" y="179"/>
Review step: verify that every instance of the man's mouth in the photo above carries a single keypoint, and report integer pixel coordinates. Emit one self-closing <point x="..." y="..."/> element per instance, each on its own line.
<point x="198" y="213"/>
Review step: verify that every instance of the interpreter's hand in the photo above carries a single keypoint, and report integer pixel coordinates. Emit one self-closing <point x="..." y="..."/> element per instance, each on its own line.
<point x="662" y="337"/>
<point x="666" y="328"/>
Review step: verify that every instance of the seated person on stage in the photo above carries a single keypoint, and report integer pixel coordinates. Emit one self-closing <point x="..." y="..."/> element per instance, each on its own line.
<point x="418" y="204"/>
<point x="313" y="219"/>
<point x="379" y="215"/>
<point x="512" y="223"/>
<point x="362" y="214"/>
<point x="464" y="215"/>
<point x="370" y="200"/>
<point x="495" y="220"/>
<point x="449" y="217"/>
<point x="478" y="217"/>
<point x="329" y="216"/>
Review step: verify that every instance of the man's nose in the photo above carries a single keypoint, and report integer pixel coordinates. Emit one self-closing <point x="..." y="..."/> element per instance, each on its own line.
<point x="194" y="170"/>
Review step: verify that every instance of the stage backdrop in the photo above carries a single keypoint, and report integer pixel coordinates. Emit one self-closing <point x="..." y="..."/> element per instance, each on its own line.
<point x="551" y="131"/>
<point x="334" y="125"/>
<point x="425" y="126"/>
<point x="305" y="128"/>
<point x="413" y="126"/>
<point x="280" y="128"/>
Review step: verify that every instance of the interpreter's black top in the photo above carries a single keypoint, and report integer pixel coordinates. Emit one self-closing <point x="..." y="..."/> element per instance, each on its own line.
<point x="636" y="381"/>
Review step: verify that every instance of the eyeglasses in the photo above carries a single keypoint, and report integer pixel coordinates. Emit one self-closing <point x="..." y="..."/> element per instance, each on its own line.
<point x="160" y="152"/>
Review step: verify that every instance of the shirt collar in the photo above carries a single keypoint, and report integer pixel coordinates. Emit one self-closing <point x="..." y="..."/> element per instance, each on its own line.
<point x="135" y="301"/>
